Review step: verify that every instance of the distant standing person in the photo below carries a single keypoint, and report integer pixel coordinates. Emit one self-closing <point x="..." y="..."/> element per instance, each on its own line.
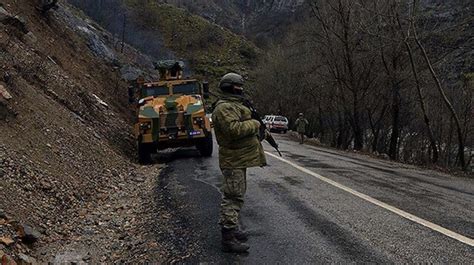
<point x="300" y="125"/>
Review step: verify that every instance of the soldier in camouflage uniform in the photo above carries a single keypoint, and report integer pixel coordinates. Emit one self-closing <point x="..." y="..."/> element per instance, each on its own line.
<point x="301" y="124"/>
<point x="239" y="148"/>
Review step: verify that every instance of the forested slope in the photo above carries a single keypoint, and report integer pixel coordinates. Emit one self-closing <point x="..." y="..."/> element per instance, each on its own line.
<point x="362" y="73"/>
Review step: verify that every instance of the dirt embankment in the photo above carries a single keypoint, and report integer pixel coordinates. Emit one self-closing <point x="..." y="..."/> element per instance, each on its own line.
<point x="65" y="148"/>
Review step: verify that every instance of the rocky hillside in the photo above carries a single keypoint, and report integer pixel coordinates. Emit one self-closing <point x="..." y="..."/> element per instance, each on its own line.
<point x="261" y="20"/>
<point x="449" y="37"/>
<point x="209" y="49"/>
<point x="69" y="186"/>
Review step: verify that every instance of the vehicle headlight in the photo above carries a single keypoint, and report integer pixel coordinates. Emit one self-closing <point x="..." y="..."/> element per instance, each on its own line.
<point x="198" y="120"/>
<point x="145" y="126"/>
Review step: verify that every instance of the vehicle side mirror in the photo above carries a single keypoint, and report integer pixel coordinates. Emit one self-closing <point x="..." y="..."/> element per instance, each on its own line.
<point x="205" y="90"/>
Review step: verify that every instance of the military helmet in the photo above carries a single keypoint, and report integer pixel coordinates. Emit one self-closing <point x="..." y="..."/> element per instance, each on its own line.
<point x="301" y="114"/>
<point x="231" y="79"/>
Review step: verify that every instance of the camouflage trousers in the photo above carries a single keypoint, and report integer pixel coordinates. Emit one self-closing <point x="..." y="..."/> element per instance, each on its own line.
<point x="301" y="137"/>
<point x="233" y="191"/>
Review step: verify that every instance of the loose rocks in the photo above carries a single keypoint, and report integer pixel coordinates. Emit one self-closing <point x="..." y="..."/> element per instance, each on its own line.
<point x="28" y="234"/>
<point x="7" y="241"/>
<point x="6" y="259"/>
<point x="4" y="93"/>
<point x="24" y="259"/>
<point x="2" y="212"/>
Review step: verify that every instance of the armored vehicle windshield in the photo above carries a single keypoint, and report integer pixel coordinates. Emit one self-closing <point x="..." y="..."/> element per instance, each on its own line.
<point x="186" y="89"/>
<point x="155" y="91"/>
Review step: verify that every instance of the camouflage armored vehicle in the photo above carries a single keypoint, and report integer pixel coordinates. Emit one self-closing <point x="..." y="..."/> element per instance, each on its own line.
<point x="171" y="112"/>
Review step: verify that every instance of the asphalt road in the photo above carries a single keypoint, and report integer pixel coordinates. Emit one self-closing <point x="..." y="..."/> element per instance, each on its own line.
<point x="294" y="217"/>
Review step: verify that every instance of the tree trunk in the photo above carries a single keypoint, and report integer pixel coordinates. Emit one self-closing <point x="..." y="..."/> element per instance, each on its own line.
<point x="433" y="143"/>
<point x="358" y="135"/>
<point x="341" y="131"/>
<point x="374" y="126"/>
<point x="393" y="149"/>
<point x="321" y="124"/>
<point x="462" y="160"/>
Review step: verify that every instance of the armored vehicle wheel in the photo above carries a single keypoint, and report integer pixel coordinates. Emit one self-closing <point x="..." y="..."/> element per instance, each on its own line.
<point x="144" y="153"/>
<point x="205" y="145"/>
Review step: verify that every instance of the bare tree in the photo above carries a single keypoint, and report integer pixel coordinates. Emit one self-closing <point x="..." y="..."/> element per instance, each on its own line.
<point x="363" y="69"/>
<point x="462" y="160"/>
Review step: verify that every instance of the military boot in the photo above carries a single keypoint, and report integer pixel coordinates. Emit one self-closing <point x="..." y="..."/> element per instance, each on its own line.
<point x="230" y="242"/>
<point x="241" y="235"/>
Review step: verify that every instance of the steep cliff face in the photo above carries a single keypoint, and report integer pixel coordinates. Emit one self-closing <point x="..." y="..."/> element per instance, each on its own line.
<point x="239" y="5"/>
<point x="261" y="20"/>
<point x="274" y="5"/>
<point x="164" y="31"/>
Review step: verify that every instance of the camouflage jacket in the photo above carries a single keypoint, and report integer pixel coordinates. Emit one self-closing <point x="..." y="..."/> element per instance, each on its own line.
<point x="237" y="134"/>
<point x="300" y="124"/>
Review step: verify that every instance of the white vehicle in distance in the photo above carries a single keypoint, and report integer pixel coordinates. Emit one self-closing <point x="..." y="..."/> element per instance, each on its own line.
<point x="276" y="123"/>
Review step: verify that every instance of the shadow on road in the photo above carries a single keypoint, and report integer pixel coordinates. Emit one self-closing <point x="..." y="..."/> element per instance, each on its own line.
<point x="171" y="155"/>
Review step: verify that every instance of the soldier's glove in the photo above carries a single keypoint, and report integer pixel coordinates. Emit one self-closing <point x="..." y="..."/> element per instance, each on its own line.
<point x="268" y="135"/>
<point x="262" y="133"/>
<point x="261" y="130"/>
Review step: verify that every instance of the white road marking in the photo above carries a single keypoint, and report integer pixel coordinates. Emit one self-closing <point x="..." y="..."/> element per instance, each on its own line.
<point x="411" y="217"/>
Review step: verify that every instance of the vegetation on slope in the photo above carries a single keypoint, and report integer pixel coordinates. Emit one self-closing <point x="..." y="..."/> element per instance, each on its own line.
<point x="261" y="21"/>
<point x="210" y="49"/>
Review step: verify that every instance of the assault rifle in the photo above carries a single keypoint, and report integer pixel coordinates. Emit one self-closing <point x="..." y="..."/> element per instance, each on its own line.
<point x="263" y="127"/>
